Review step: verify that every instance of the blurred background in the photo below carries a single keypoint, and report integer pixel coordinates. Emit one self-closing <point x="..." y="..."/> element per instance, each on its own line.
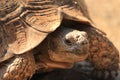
<point x="106" y="15"/>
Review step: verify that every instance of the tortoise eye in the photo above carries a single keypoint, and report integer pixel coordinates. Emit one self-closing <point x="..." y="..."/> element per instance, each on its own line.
<point x="68" y="42"/>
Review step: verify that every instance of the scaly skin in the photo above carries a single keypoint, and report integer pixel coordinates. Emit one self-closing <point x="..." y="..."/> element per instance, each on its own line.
<point x="103" y="55"/>
<point x="20" y="67"/>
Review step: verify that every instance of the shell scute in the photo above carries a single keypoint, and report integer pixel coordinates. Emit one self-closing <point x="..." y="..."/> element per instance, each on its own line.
<point x="30" y="21"/>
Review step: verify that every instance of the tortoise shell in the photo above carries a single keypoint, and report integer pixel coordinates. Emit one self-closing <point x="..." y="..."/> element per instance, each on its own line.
<point x="24" y="24"/>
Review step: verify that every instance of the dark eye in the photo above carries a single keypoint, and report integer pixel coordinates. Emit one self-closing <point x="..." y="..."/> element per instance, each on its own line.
<point x="68" y="42"/>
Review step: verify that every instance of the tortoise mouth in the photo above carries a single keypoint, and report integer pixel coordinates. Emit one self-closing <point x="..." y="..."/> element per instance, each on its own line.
<point x="67" y="57"/>
<point x="59" y="60"/>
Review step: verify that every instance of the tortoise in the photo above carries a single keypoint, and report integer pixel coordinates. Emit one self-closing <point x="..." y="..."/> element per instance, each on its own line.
<point x="24" y="25"/>
<point x="29" y="22"/>
<point x="43" y="57"/>
<point x="101" y="63"/>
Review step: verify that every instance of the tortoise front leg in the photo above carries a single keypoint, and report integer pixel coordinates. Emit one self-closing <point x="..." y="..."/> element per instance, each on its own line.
<point x="21" y="67"/>
<point x="103" y="55"/>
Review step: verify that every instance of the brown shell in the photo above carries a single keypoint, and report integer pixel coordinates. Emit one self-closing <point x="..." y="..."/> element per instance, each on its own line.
<point x="25" y="23"/>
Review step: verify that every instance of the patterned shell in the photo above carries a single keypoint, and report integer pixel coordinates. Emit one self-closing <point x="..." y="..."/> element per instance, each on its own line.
<point x="25" y="23"/>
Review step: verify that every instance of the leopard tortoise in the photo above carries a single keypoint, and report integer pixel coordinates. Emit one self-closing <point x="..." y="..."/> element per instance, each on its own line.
<point x="24" y="24"/>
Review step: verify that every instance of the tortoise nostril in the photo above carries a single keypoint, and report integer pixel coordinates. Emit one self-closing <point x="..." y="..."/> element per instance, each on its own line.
<point x="68" y="42"/>
<point x="84" y="42"/>
<point x="77" y="36"/>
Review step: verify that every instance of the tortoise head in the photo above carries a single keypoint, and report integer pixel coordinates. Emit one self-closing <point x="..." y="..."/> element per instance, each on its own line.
<point x="64" y="47"/>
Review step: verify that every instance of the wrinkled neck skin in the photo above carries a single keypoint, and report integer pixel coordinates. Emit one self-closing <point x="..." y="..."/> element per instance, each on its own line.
<point x="45" y="64"/>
